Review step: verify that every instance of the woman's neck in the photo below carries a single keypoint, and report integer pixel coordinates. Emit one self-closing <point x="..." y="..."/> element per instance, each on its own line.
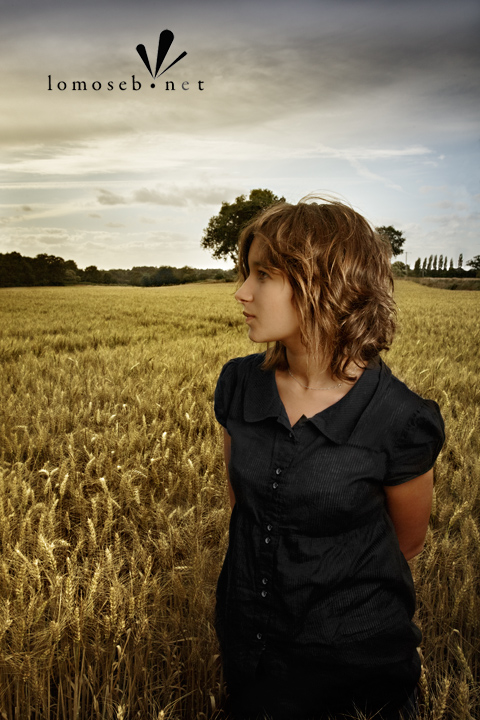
<point x="309" y="371"/>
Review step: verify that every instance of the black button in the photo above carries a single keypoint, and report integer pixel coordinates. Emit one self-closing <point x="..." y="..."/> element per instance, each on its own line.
<point x="267" y="540"/>
<point x="264" y="581"/>
<point x="278" y="471"/>
<point x="264" y="593"/>
<point x="269" y="528"/>
<point x="259" y="636"/>
<point x="275" y="485"/>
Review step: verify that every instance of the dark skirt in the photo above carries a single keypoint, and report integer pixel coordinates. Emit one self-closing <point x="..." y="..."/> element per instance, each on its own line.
<point x="306" y="691"/>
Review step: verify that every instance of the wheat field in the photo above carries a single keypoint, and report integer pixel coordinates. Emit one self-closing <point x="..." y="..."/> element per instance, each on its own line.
<point x="114" y="510"/>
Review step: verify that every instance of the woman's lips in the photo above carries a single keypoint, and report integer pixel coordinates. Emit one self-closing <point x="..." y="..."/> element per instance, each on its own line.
<point x="248" y="317"/>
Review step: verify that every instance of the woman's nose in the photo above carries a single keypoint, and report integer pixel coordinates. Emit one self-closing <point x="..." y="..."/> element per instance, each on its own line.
<point x="244" y="293"/>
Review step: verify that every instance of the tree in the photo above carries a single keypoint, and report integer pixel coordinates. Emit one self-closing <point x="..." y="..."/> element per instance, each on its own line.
<point x="49" y="269"/>
<point x="460" y="260"/>
<point x="435" y="262"/>
<point x="91" y="274"/>
<point x="165" y="275"/>
<point x="440" y="262"/>
<point x="15" y="270"/>
<point x="475" y="263"/>
<point x="399" y="268"/>
<point x="430" y="260"/>
<point x="416" y="268"/>
<point x="221" y="234"/>
<point x="393" y="237"/>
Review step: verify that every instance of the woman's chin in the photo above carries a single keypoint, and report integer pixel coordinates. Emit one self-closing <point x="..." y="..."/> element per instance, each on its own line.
<point x="256" y="337"/>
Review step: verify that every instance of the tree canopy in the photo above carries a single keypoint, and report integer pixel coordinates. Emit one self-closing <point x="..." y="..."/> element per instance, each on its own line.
<point x="393" y="237"/>
<point x="18" y="271"/>
<point x="474" y="263"/>
<point x="221" y="234"/>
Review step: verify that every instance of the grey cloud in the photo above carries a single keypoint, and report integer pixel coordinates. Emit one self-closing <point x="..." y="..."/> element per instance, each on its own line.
<point x="452" y="221"/>
<point x="52" y="239"/>
<point x="412" y="66"/>
<point x="156" y="197"/>
<point x="449" y="205"/>
<point x="426" y="189"/>
<point x="174" y="197"/>
<point x="97" y="246"/>
<point x="181" y="197"/>
<point x="106" y="197"/>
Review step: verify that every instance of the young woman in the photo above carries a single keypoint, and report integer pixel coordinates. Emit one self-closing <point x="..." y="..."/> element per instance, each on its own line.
<point x="330" y="462"/>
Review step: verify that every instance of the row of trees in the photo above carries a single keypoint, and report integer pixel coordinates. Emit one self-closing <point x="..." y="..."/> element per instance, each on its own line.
<point x="444" y="266"/>
<point x="220" y="237"/>
<point x="439" y="266"/>
<point x="17" y="270"/>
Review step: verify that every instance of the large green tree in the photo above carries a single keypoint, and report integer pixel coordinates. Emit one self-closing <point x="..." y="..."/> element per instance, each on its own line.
<point x="393" y="237"/>
<point x="221" y="234"/>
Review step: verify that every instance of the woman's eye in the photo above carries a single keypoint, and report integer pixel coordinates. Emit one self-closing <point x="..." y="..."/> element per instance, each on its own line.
<point x="262" y="274"/>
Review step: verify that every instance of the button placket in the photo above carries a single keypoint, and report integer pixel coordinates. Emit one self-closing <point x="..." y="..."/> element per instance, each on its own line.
<point x="283" y="455"/>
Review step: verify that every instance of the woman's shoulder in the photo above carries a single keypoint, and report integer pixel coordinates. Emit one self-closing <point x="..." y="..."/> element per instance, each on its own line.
<point x="405" y="409"/>
<point x="242" y="364"/>
<point x="233" y="378"/>
<point x="398" y="389"/>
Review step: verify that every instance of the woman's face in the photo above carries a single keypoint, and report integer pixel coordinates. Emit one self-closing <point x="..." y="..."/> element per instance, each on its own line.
<point x="266" y="296"/>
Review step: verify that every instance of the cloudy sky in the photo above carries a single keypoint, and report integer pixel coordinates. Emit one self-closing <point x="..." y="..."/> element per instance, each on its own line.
<point x="376" y="101"/>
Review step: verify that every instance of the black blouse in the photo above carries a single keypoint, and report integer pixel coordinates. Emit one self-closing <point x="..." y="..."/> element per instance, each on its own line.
<point x="313" y="566"/>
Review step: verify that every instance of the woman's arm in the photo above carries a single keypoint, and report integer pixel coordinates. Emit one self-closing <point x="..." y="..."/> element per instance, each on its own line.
<point x="227" y="449"/>
<point x="409" y="506"/>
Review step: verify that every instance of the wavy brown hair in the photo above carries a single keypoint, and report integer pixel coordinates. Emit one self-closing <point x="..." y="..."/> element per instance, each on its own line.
<point x="340" y="273"/>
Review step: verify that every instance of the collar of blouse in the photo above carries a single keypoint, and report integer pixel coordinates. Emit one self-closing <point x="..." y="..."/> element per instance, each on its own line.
<point x="337" y="422"/>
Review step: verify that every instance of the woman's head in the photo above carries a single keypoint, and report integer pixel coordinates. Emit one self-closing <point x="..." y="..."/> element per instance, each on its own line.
<point x="339" y="271"/>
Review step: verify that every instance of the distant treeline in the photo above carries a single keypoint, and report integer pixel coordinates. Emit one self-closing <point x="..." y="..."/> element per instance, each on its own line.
<point x="19" y="271"/>
<point x="439" y="266"/>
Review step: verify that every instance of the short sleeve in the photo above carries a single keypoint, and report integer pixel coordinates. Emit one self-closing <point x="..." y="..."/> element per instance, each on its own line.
<point x="224" y="390"/>
<point x="417" y="447"/>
